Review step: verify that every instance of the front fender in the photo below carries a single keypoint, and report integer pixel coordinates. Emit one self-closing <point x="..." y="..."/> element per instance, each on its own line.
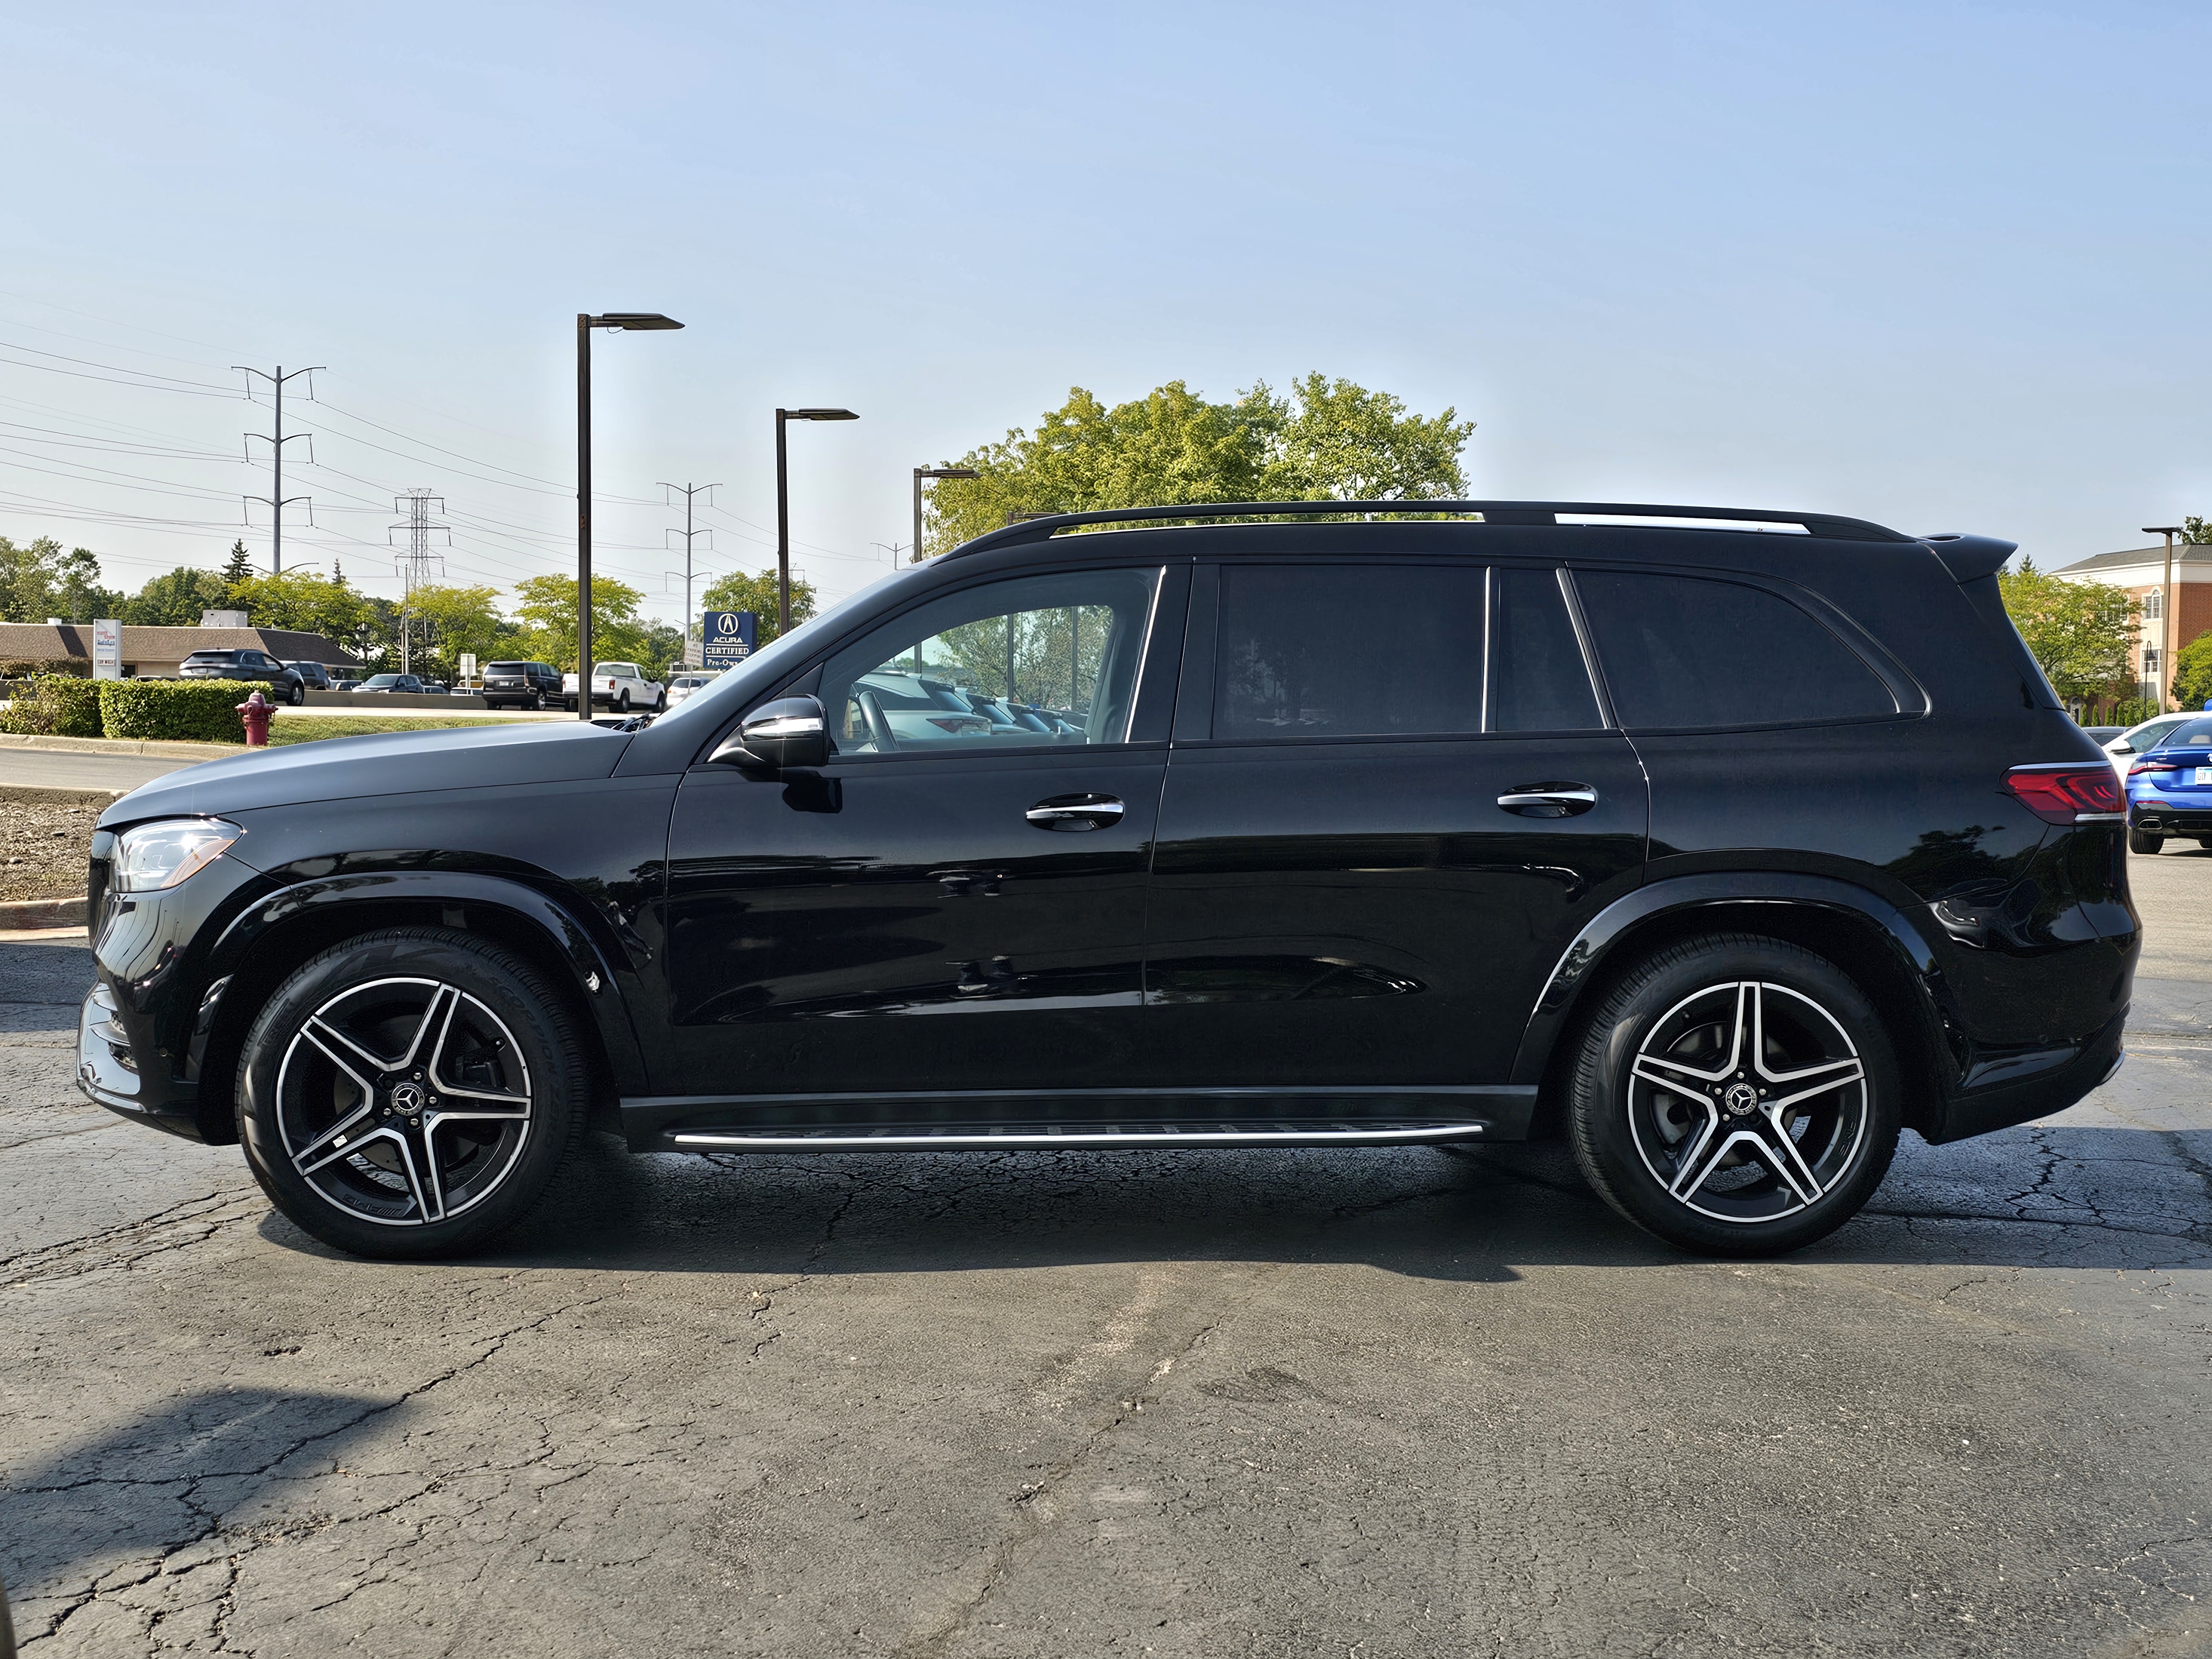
<point x="1598" y="943"/>
<point x="590" y="962"/>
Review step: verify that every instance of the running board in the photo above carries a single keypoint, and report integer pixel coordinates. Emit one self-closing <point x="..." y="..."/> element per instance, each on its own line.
<point x="967" y="1138"/>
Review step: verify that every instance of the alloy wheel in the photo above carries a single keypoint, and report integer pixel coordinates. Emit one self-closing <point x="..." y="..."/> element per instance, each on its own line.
<point x="1748" y="1102"/>
<point x="404" y="1102"/>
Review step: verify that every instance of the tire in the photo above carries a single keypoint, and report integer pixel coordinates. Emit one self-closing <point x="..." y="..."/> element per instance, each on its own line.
<point x="2141" y="841"/>
<point x="622" y="703"/>
<point x="298" y="694"/>
<point x="538" y="703"/>
<point x="362" y="1045"/>
<point x="1704" y="1166"/>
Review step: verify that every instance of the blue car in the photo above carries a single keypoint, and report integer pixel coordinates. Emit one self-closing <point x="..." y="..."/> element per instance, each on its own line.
<point x="2170" y="788"/>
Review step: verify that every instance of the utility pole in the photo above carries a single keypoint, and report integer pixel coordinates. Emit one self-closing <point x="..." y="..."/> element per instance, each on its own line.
<point x="416" y="504"/>
<point x="275" y="497"/>
<point x="688" y="532"/>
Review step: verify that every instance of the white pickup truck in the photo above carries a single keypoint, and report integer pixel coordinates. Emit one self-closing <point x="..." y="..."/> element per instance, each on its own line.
<point x="621" y="686"/>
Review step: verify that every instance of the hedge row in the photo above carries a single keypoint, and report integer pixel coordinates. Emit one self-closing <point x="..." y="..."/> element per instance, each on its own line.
<point x="193" y="711"/>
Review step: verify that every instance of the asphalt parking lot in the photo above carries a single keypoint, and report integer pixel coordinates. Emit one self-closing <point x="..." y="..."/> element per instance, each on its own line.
<point x="1377" y="1402"/>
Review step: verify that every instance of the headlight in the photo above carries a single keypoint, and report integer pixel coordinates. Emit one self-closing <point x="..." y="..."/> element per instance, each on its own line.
<point x="156" y="855"/>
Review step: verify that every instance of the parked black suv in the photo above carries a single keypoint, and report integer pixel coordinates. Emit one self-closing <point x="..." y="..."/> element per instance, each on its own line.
<point x="245" y="665"/>
<point x="1723" y="847"/>
<point x="520" y="684"/>
<point x="314" y="676"/>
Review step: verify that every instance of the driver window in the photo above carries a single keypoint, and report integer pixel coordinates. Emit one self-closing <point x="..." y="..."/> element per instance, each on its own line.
<point x="1033" y="661"/>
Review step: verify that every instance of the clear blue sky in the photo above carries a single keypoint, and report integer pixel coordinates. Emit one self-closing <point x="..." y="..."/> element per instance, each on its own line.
<point x="1942" y="266"/>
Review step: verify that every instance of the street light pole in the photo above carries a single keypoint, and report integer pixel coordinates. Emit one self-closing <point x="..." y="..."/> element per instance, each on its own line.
<point x="2165" y="612"/>
<point x="783" y="507"/>
<point x="585" y="322"/>
<point x="922" y="472"/>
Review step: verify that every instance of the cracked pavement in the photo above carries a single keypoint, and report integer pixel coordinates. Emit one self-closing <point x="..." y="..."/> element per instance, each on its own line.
<point x="1383" y="1401"/>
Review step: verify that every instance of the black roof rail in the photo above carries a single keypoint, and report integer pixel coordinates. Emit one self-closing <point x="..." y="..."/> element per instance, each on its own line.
<point x="1045" y="527"/>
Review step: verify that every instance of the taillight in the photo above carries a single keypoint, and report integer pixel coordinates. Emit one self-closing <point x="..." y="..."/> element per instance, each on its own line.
<point x="2069" y="794"/>
<point x="2151" y="766"/>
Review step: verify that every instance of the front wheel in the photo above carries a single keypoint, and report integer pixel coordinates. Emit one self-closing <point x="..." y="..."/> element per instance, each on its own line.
<point x="2143" y="841"/>
<point x="1734" y="1095"/>
<point x="409" y="1093"/>
<point x="298" y="694"/>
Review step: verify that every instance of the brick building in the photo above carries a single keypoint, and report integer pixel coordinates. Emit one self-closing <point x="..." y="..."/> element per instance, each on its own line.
<point x="154" y="653"/>
<point x="2142" y="571"/>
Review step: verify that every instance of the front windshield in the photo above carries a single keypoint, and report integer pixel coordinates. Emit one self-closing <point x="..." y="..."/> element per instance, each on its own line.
<point x="702" y="708"/>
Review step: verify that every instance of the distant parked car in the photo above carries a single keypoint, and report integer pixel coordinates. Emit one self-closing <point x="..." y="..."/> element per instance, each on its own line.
<point x="520" y="684"/>
<point x="2140" y="740"/>
<point x="2170" y="788"/>
<point x="246" y="664"/>
<point x="621" y="686"/>
<point x="410" y="684"/>
<point x="684" y="685"/>
<point x="346" y="685"/>
<point x="313" y="675"/>
<point x="2104" y="734"/>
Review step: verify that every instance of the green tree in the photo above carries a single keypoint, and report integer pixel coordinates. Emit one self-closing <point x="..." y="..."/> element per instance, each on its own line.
<point x="448" y="621"/>
<point x="739" y="592"/>
<point x="2197" y="530"/>
<point x="38" y="579"/>
<point x="177" y="599"/>
<point x="240" y="568"/>
<point x="2083" y="634"/>
<point x="2192" y="673"/>
<point x="1329" y="439"/>
<point x="546" y="608"/>
<point x="300" y="599"/>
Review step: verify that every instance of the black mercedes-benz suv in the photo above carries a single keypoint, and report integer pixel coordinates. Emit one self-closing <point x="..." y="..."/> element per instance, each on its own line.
<point x="1723" y="844"/>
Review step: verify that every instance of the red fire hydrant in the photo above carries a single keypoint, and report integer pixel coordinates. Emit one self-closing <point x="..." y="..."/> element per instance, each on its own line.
<point x="256" y="711"/>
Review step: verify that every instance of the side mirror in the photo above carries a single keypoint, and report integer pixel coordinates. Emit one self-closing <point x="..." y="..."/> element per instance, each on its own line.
<point x="791" y="731"/>
<point x="2122" y="749"/>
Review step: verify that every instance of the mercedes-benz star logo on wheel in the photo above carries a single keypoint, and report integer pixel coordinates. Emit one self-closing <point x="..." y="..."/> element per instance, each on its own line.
<point x="1742" y="1099"/>
<point x="407" y="1098"/>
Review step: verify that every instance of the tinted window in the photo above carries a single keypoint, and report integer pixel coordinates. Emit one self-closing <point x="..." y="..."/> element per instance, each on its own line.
<point x="506" y="668"/>
<point x="1031" y="661"/>
<point x="1683" y="650"/>
<point x="1348" y="650"/>
<point x="2187" y="736"/>
<point x="1538" y="681"/>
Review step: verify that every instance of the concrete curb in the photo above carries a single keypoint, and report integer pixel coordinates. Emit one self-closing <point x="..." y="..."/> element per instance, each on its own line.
<point x="155" y="746"/>
<point x="18" y="914"/>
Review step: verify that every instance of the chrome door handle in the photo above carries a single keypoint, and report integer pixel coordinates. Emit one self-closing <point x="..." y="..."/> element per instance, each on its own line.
<point x="1076" y="812"/>
<point x="1549" y="800"/>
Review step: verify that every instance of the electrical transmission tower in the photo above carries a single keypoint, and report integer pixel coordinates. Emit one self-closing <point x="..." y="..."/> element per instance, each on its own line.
<point x="688" y="532"/>
<point x="415" y="564"/>
<point x="276" y="498"/>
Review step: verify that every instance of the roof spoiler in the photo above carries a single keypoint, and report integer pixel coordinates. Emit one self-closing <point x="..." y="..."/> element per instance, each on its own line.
<point x="1968" y="558"/>
<point x="1564" y="514"/>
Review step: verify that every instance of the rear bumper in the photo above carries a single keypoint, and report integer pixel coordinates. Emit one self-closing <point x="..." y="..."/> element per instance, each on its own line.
<point x="2053" y="1081"/>
<point x="2164" y="818"/>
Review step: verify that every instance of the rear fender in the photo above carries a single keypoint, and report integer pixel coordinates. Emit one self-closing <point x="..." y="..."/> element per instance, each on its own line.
<point x="1903" y="964"/>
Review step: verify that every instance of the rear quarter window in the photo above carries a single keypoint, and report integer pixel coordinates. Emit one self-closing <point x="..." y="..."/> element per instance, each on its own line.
<point x="1692" y="651"/>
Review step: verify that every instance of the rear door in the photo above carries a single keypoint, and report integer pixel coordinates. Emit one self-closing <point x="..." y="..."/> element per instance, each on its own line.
<point x="1392" y="799"/>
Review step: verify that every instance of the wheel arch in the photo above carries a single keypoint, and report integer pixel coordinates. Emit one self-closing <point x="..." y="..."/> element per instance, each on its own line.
<point x="1863" y="934"/>
<point x="270" y="939"/>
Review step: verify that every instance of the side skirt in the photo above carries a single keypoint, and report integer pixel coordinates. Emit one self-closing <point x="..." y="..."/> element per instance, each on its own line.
<point x="950" y="1120"/>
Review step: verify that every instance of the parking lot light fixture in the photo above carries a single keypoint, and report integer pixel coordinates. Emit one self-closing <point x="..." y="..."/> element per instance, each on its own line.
<point x="625" y="321"/>
<point x="922" y="472"/>
<point x="783" y="507"/>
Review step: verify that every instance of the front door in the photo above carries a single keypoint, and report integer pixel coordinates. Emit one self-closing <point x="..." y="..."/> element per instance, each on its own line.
<point x="1392" y="803"/>
<point x="946" y="921"/>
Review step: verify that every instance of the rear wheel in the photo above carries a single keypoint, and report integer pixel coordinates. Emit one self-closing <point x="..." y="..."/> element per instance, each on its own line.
<point x="409" y="1093"/>
<point x="537" y="703"/>
<point x="1735" y="1095"/>
<point x="2143" y="841"/>
<point x="622" y="703"/>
